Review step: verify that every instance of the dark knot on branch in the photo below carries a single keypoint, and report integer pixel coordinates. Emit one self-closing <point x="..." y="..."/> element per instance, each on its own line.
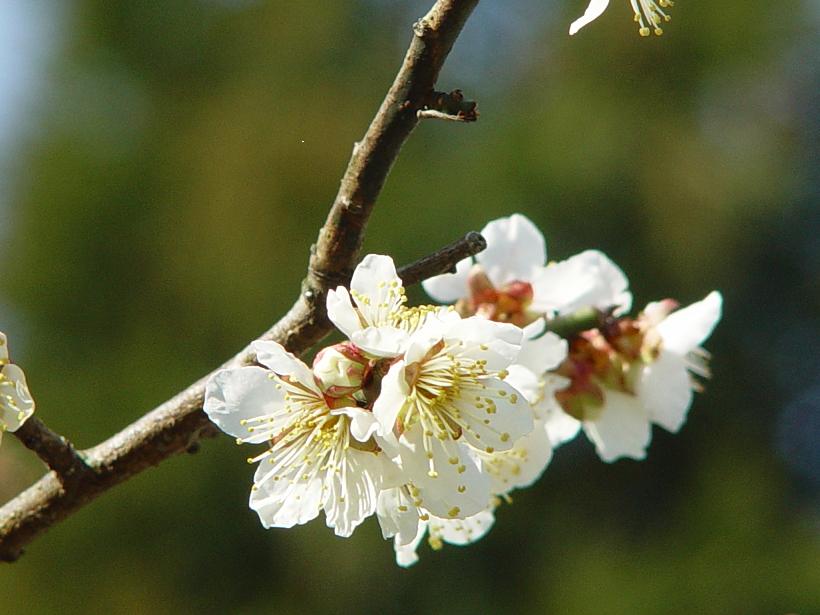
<point x="449" y="106"/>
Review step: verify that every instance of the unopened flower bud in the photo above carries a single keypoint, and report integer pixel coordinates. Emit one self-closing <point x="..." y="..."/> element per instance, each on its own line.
<point x="340" y="369"/>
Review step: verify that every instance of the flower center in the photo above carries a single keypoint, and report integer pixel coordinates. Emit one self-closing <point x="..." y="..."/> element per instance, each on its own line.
<point x="409" y="319"/>
<point x="605" y="358"/>
<point x="306" y="441"/>
<point x="509" y="303"/>
<point x="380" y="309"/>
<point x="449" y="396"/>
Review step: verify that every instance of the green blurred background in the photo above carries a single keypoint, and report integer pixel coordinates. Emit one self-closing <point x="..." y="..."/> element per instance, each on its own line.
<point x="165" y="167"/>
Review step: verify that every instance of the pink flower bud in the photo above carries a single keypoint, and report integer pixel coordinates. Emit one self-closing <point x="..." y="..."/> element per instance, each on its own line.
<point x="340" y="369"/>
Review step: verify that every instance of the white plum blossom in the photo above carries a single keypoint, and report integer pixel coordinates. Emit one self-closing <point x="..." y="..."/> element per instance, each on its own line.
<point x="322" y="453"/>
<point x="648" y="14"/>
<point x="445" y="398"/>
<point x="16" y="404"/>
<point x="649" y="376"/>
<point x="511" y="282"/>
<point x="517" y="286"/>
<point x="373" y="314"/>
<point x="401" y="511"/>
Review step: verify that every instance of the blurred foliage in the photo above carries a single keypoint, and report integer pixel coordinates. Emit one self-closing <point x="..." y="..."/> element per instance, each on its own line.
<point x="184" y="156"/>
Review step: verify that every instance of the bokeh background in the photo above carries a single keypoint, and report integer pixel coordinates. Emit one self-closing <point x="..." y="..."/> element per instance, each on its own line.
<point x="165" y="166"/>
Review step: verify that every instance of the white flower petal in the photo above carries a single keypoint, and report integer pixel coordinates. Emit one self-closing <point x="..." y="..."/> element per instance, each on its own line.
<point x="622" y="429"/>
<point x="450" y="287"/>
<point x="594" y="10"/>
<point x="376" y="289"/>
<point x="524" y="381"/>
<point x="665" y="389"/>
<point x="560" y="426"/>
<point x="542" y="354"/>
<point x="286" y="502"/>
<point x="4" y="348"/>
<point x="457" y="489"/>
<point x="423" y="340"/>
<point x="504" y="418"/>
<point x="406" y="552"/>
<point x="588" y="279"/>
<point x="523" y="464"/>
<point x="16" y="404"/>
<point x="341" y="312"/>
<point x="496" y="343"/>
<point x="384" y="341"/>
<point x="397" y="515"/>
<point x="515" y="247"/>
<point x="281" y="362"/>
<point x="392" y="397"/>
<point x="463" y="531"/>
<point x="233" y="396"/>
<point x="351" y="494"/>
<point x="371" y="274"/>
<point x="688" y="328"/>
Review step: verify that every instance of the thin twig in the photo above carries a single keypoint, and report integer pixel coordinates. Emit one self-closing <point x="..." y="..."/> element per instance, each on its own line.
<point x="55" y="450"/>
<point x="174" y="427"/>
<point x="444" y="260"/>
